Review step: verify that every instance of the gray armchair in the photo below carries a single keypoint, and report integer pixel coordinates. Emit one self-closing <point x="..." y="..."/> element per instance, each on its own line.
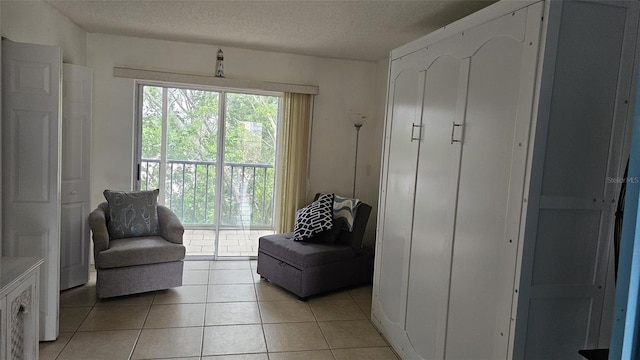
<point x="138" y="264"/>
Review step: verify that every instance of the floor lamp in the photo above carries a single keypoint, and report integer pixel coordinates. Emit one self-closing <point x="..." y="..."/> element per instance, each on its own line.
<point x="358" y="122"/>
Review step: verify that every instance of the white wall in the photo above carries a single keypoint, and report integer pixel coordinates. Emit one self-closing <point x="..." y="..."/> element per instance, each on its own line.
<point x="38" y="23"/>
<point x="375" y="133"/>
<point x="345" y="87"/>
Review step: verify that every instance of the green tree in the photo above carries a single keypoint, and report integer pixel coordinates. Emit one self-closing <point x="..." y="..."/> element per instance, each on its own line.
<point x="192" y="146"/>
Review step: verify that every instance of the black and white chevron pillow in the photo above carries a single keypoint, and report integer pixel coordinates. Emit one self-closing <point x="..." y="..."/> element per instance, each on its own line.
<point x="314" y="218"/>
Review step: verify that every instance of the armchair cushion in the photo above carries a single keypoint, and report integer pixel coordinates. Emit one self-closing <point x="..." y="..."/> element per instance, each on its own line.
<point x="139" y="251"/>
<point x="132" y="213"/>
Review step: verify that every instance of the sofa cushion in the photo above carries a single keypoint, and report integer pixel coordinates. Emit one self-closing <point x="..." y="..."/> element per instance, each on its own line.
<point x="329" y="236"/>
<point x="314" y="218"/>
<point x="139" y="251"/>
<point x="303" y="254"/>
<point x="132" y="213"/>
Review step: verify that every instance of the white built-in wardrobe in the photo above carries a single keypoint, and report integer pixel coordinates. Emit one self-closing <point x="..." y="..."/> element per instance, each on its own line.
<point x="505" y="134"/>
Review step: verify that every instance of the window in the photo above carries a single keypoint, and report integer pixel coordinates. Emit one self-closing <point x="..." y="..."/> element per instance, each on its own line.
<point x="211" y="152"/>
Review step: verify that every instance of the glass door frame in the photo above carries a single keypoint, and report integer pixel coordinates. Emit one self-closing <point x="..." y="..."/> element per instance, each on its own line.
<point x="137" y="151"/>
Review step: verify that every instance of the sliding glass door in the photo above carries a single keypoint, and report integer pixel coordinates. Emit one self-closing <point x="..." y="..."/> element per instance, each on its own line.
<point x="211" y="153"/>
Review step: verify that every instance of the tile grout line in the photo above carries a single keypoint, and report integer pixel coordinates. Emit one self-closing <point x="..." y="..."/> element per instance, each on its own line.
<point x="206" y="302"/>
<point x="255" y="291"/>
<point x="76" y="329"/>
<point x="135" y="343"/>
<point x="320" y="328"/>
<point x="321" y="332"/>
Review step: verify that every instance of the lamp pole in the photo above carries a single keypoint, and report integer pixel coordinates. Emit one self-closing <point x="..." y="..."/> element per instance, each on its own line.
<point x="355" y="165"/>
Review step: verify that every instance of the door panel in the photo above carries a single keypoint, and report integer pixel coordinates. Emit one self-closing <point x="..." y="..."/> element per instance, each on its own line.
<point x="481" y="221"/>
<point x="247" y="173"/>
<point x="570" y="225"/>
<point x="436" y="185"/>
<point x="31" y="123"/>
<point x="405" y="104"/>
<point x="75" y="191"/>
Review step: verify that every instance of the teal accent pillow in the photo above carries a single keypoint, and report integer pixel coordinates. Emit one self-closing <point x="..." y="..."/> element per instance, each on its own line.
<point x="132" y="213"/>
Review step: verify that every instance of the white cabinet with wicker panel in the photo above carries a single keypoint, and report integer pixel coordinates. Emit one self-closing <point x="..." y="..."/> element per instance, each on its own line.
<point x="19" y="308"/>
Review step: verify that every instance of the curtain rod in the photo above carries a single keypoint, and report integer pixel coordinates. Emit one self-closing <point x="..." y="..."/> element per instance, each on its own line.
<point x="140" y="74"/>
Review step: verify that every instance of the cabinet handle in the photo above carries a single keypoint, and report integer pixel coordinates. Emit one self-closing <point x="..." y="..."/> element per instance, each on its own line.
<point x="413" y="126"/>
<point x="453" y="130"/>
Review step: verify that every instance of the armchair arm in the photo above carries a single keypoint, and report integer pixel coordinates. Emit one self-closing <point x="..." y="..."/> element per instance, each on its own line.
<point x="169" y="226"/>
<point x="98" y="225"/>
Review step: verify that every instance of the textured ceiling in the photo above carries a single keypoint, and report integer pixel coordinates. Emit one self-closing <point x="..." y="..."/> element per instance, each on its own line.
<point x="359" y="30"/>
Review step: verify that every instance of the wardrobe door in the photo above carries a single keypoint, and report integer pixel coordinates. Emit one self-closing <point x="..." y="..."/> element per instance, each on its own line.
<point x="402" y="132"/>
<point x="438" y="164"/>
<point x="493" y="163"/>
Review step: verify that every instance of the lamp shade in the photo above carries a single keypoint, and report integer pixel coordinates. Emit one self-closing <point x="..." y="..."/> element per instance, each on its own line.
<point x="358" y="119"/>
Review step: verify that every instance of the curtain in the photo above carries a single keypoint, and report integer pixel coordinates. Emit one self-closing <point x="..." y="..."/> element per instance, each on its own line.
<point x="293" y="159"/>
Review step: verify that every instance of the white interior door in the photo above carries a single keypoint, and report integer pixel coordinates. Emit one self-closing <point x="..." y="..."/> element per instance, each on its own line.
<point x="76" y="150"/>
<point x="31" y="165"/>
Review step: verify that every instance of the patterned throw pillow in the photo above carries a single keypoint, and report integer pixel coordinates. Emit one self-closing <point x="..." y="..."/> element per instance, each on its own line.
<point x="314" y="218"/>
<point x="132" y="213"/>
<point x="345" y="208"/>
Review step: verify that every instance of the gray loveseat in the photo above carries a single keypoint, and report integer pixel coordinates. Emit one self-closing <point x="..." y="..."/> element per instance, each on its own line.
<point x="310" y="268"/>
<point x="138" y="264"/>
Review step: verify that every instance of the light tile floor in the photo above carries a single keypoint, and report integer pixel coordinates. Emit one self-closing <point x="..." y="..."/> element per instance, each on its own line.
<point x="233" y="242"/>
<point x="224" y="312"/>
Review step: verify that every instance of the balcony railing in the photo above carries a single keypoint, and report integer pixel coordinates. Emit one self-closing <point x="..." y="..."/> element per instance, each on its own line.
<point x="190" y="191"/>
